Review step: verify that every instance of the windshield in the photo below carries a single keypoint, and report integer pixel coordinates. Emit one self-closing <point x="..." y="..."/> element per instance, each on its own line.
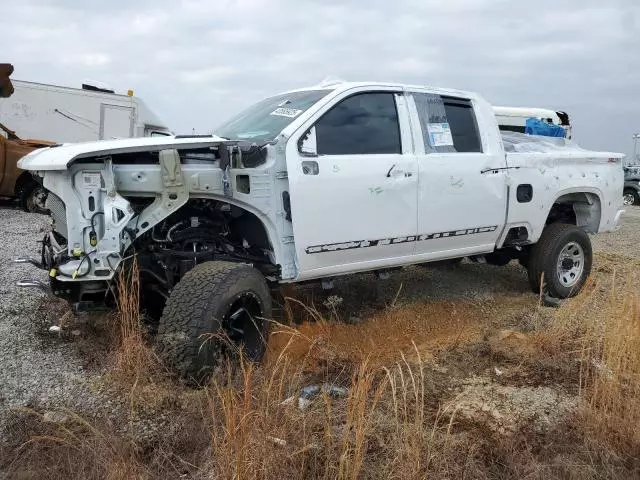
<point x="264" y="120"/>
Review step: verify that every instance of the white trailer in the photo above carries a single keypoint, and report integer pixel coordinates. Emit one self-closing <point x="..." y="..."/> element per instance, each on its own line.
<point x="71" y="115"/>
<point x="514" y="119"/>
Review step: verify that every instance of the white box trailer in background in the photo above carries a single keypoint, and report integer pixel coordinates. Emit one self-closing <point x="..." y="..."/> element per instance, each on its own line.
<point x="71" y="115"/>
<point x="514" y="119"/>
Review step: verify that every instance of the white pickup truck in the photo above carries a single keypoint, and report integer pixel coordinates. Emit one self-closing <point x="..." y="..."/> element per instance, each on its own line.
<point x="311" y="184"/>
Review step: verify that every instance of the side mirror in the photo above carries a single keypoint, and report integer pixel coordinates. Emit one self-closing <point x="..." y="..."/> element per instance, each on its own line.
<point x="307" y="145"/>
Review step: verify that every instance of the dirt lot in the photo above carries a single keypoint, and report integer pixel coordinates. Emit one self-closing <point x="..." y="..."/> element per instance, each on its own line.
<point x="476" y="329"/>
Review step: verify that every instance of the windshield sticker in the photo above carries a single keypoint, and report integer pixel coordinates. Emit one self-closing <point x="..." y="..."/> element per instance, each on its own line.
<point x="286" y="112"/>
<point x="439" y="134"/>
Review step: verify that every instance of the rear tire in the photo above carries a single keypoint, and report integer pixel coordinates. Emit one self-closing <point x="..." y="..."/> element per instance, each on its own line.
<point x="563" y="258"/>
<point x="214" y="298"/>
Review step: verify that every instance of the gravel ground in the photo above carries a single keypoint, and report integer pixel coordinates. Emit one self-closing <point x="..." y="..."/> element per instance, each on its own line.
<point x="36" y="368"/>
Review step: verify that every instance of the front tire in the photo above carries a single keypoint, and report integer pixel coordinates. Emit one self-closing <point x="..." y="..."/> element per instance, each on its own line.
<point x="214" y="299"/>
<point x="562" y="258"/>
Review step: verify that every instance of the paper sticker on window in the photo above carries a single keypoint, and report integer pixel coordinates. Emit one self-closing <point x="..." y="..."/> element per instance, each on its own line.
<point x="91" y="180"/>
<point x="439" y="134"/>
<point x="286" y="112"/>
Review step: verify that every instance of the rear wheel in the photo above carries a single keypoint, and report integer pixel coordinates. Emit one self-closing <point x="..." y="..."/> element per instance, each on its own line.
<point x="631" y="197"/>
<point x="561" y="259"/>
<point x="218" y="308"/>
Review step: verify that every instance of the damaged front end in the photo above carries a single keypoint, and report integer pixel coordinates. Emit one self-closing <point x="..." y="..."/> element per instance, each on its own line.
<point x="170" y="206"/>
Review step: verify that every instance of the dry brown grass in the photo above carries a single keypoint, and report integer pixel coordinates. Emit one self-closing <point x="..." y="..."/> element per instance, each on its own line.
<point x="611" y="378"/>
<point x="134" y="359"/>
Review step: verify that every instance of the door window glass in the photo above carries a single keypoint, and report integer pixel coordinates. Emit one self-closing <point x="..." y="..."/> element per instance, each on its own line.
<point x="363" y="124"/>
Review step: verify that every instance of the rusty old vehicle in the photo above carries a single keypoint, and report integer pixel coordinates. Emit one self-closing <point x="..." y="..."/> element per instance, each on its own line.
<point x="15" y="182"/>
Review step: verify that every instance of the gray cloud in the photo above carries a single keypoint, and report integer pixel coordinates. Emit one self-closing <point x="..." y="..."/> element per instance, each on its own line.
<point x="197" y="62"/>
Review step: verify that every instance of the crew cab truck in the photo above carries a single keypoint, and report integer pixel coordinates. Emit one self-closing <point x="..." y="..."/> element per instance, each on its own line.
<point x="308" y="185"/>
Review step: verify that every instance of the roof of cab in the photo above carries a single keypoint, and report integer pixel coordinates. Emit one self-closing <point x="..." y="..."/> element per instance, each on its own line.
<point x="343" y="86"/>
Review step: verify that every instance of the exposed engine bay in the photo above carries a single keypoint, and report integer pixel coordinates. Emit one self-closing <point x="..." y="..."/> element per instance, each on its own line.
<point x="200" y="231"/>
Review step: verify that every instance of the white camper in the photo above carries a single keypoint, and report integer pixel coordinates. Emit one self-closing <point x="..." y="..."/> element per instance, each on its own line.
<point x="514" y="119"/>
<point x="71" y="115"/>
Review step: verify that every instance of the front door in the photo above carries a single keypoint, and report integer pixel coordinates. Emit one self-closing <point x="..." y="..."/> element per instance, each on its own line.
<point x="353" y="185"/>
<point x="462" y="193"/>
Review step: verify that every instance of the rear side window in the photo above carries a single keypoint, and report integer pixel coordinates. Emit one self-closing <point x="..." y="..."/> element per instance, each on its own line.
<point x="448" y="124"/>
<point x="363" y="124"/>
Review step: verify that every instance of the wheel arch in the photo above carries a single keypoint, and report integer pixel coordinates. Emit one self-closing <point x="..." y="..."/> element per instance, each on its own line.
<point x="633" y="185"/>
<point x="579" y="206"/>
<point x="269" y="228"/>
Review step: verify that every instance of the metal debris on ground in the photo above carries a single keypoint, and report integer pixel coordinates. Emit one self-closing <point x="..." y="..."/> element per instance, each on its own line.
<point x="277" y="441"/>
<point x="308" y="393"/>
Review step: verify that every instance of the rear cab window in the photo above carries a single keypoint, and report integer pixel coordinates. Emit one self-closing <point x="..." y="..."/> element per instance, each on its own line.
<point x="448" y="124"/>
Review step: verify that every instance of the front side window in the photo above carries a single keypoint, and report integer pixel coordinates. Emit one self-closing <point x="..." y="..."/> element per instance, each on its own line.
<point x="448" y="124"/>
<point x="265" y="120"/>
<point x="363" y="124"/>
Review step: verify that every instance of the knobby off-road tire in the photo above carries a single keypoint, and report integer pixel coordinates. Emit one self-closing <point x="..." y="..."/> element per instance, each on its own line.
<point x="198" y="313"/>
<point x="563" y="255"/>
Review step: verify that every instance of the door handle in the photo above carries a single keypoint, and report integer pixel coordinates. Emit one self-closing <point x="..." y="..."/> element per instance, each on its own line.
<point x="496" y="169"/>
<point x="394" y="172"/>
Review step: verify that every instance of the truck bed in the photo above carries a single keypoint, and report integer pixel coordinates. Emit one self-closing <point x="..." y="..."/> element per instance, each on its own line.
<point x="555" y="167"/>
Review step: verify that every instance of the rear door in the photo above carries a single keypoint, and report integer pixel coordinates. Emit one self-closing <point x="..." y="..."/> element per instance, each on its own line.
<point x="462" y="193"/>
<point x="353" y="199"/>
<point x="116" y="121"/>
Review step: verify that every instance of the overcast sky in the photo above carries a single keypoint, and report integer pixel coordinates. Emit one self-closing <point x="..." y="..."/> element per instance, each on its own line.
<point x="197" y="62"/>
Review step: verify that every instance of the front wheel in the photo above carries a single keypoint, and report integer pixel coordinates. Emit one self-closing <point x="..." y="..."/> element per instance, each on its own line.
<point x="561" y="259"/>
<point x="215" y="306"/>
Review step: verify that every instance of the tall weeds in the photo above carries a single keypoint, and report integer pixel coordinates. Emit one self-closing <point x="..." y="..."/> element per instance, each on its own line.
<point x="134" y="358"/>
<point x="611" y="379"/>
